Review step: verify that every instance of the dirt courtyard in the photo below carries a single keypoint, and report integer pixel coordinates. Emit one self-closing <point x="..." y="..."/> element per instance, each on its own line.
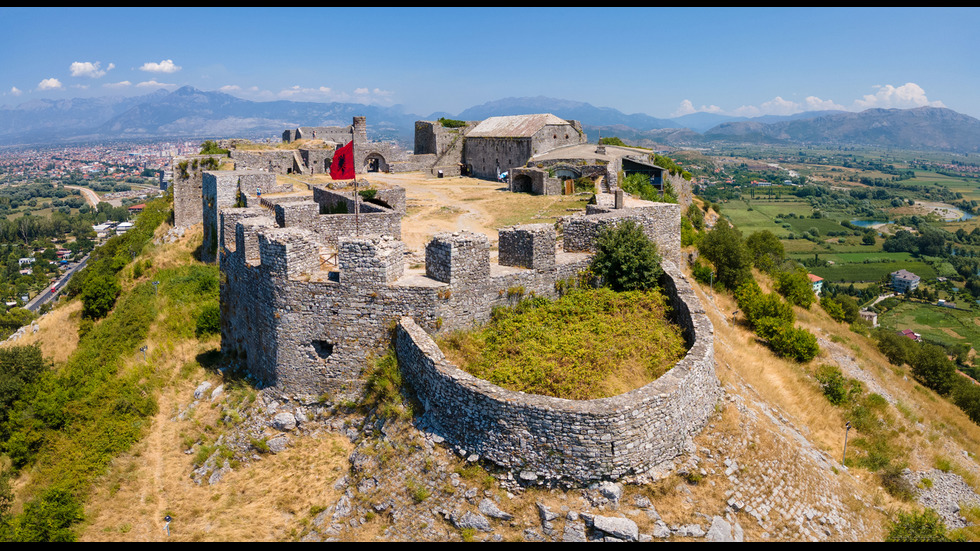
<point x="436" y="205"/>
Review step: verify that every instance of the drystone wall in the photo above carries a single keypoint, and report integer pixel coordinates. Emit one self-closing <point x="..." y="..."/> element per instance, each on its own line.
<point x="308" y="328"/>
<point x="188" y="171"/>
<point x="660" y="221"/>
<point x="224" y="188"/>
<point x="569" y="441"/>
<point x="276" y="161"/>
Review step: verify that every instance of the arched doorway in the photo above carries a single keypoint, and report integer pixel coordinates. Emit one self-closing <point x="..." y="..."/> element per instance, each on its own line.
<point x="522" y="183"/>
<point x="374" y="162"/>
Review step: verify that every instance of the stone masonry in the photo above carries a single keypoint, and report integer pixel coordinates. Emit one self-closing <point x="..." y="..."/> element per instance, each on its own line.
<point x="557" y="440"/>
<point x="308" y="299"/>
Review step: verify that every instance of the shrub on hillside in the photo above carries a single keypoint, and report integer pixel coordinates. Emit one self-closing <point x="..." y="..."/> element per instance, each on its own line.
<point x="723" y="246"/>
<point x="926" y="526"/>
<point x="766" y="249"/>
<point x="208" y="321"/>
<point x="793" y="342"/>
<point x="838" y="389"/>
<point x="796" y="287"/>
<point x="99" y="295"/>
<point x="626" y="259"/>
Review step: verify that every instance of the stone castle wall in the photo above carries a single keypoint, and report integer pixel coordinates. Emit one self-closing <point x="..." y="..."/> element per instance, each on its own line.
<point x="660" y="221"/>
<point x="557" y="440"/>
<point x="308" y="328"/>
<point x="188" y="172"/>
<point x="222" y="189"/>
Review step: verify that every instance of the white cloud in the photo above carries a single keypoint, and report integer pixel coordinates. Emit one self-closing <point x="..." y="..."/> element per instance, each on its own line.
<point x="116" y="85"/>
<point x="229" y="88"/>
<point x="902" y="97"/>
<point x="813" y="103"/>
<point x="15" y="91"/>
<point x="153" y="84"/>
<point x="165" y="66"/>
<point x="49" y="84"/>
<point x="89" y="69"/>
<point x="314" y="94"/>
<point x="687" y="107"/>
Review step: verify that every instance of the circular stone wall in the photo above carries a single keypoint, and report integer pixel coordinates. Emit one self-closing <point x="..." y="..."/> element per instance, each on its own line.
<point x="570" y="441"/>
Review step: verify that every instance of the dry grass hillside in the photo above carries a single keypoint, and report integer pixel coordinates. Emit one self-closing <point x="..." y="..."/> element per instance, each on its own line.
<point x="767" y="467"/>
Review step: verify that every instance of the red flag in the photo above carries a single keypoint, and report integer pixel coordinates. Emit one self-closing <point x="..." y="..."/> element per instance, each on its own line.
<point x="342" y="167"/>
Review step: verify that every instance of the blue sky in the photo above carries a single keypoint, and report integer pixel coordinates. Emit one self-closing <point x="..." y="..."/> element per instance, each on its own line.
<point x="660" y="61"/>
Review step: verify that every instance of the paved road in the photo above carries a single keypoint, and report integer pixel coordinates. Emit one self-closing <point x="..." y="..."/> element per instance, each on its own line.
<point x="47" y="295"/>
<point x="91" y="197"/>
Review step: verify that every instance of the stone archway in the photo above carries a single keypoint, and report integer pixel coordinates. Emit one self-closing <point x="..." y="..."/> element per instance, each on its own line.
<point x="375" y="162"/>
<point x="522" y="183"/>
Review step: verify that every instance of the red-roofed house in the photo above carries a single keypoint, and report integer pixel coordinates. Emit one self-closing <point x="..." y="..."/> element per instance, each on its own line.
<point x="817" y="282"/>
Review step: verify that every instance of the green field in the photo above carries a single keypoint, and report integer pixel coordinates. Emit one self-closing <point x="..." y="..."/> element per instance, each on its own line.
<point x="936" y="323"/>
<point x="872" y="271"/>
<point x="753" y="216"/>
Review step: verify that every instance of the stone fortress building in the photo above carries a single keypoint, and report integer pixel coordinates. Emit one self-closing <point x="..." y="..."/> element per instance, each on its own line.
<point x="315" y="287"/>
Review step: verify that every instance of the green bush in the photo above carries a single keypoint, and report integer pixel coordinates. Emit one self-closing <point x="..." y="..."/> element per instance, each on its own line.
<point x="626" y="259"/>
<point x="838" y="389"/>
<point x="451" y="123"/>
<point x="723" y="246"/>
<point x="99" y="295"/>
<point x="49" y="517"/>
<point x="796" y="287"/>
<point x="792" y="342"/>
<point x="208" y="320"/>
<point x="767" y="250"/>
<point x="833" y="308"/>
<point x="756" y="305"/>
<point x="926" y="526"/>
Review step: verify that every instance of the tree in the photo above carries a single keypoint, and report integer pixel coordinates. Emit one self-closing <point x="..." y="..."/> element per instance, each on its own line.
<point x="767" y="250"/>
<point x="723" y="246"/>
<point x="99" y="295"/>
<point x="626" y="259"/>
<point x="933" y="368"/>
<point x="796" y="287"/>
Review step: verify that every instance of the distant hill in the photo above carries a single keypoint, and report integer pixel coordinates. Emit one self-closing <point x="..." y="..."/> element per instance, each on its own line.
<point x="569" y="110"/>
<point x="929" y="128"/>
<point x="188" y="112"/>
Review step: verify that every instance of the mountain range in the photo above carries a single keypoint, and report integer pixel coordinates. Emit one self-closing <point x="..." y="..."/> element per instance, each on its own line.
<point x="188" y="112"/>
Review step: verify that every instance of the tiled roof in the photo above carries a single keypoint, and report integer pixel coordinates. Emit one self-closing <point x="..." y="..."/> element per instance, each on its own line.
<point x="515" y="126"/>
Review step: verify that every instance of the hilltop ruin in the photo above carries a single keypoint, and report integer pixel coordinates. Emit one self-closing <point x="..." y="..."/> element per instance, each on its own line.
<point x="314" y="287"/>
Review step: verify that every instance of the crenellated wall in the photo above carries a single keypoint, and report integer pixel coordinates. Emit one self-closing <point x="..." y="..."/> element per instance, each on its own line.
<point x="284" y="304"/>
<point x="308" y="327"/>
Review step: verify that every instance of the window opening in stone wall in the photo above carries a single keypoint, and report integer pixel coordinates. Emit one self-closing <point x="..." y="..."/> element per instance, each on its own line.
<point x="323" y="349"/>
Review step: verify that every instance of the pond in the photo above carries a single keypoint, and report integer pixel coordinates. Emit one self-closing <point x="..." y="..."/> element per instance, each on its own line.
<point x="869" y="223"/>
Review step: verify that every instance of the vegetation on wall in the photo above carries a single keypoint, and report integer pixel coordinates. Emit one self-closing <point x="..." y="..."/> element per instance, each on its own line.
<point x="549" y="347"/>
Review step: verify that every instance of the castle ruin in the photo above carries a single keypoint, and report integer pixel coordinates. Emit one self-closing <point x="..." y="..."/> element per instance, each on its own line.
<point x="314" y="287"/>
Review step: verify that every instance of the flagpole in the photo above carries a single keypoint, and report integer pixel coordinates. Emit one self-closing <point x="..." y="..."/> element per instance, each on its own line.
<point x="357" y="205"/>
